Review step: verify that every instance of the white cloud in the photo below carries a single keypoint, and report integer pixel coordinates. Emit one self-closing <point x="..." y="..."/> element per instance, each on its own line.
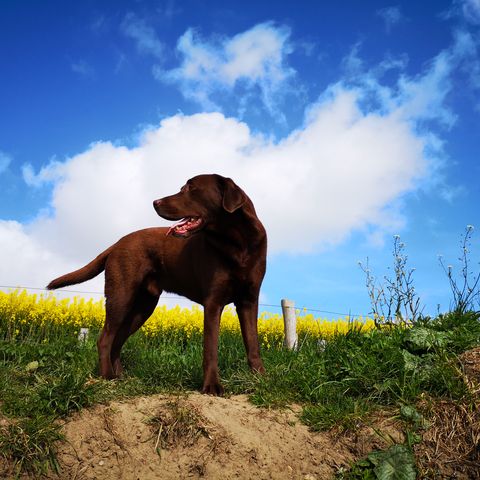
<point x="420" y="98"/>
<point x="337" y="173"/>
<point x="391" y="16"/>
<point x="45" y="175"/>
<point x="426" y="94"/>
<point x="467" y="46"/>
<point x="83" y="68"/>
<point x="346" y="168"/>
<point x="145" y="36"/>
<point x="255" y="59"/>
<point x="466" y="10"/>
<point x="24" y="260"/>
<point x="170" y="9"/>
<point x="5" y="160"/>
<point x="450" y="193"/>
<point x="471" y="11"/>
<point x="423" y="98"/>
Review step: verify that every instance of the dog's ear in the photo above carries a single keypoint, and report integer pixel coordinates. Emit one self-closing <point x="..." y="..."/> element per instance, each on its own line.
<point x="233" y="196"/>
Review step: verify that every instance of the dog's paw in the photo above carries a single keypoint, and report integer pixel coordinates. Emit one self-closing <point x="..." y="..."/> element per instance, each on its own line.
<point x="118" y="369"/>
<point x="213" y="388"/>
<point x="257" y="367"/>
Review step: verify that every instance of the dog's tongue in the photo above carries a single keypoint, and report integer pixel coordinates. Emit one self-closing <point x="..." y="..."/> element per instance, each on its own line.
<point x="179" y="224"/>
<point x="183" y="226"/>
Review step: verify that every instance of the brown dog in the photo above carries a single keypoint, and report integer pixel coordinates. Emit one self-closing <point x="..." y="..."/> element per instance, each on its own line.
<point x="216" y="255"/>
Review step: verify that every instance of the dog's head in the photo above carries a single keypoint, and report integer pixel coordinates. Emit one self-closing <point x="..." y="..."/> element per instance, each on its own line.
<point x="200" y="203"/>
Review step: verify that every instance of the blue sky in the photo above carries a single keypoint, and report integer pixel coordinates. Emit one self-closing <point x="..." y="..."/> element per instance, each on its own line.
<point x="347" y="123"/>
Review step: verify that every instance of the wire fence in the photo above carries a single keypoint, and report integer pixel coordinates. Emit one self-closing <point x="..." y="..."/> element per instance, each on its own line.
<point x="179" y="298"/>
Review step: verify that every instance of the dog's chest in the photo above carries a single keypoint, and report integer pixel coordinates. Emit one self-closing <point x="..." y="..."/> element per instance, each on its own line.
<point x="246" y="270"/>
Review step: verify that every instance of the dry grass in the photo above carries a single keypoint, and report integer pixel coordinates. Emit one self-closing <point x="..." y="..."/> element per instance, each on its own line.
<point x="178" y="422"/>
<point x="451" y="446"/>
<point x="470" y="361"/>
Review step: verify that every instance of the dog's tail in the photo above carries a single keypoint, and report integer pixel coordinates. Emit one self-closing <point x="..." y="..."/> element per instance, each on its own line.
<point x="83" y="274"/>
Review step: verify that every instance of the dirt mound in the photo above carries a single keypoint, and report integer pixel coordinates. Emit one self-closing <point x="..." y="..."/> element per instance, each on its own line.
<point x="163" y="437"/>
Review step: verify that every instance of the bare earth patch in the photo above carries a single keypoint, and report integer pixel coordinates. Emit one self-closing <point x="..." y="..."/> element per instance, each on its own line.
<point x="226" y="438"/>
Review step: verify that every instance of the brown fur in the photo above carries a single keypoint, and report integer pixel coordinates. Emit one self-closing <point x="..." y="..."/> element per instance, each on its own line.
<point x="220" y="262"/>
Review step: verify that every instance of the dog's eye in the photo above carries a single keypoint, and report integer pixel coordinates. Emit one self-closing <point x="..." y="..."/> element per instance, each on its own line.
<point x="187" y="188"/>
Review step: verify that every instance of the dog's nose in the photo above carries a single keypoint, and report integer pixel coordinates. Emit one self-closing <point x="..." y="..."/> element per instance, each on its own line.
<point x="156" y="203"/>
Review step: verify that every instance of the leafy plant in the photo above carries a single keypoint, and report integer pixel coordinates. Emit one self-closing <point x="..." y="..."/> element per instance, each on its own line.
<point x="423" y="339"/>
<point x="394" y="299"/>
<point x="395" y="463"/>
<point x="413" y="417"/>
<point x="466" y="286"/>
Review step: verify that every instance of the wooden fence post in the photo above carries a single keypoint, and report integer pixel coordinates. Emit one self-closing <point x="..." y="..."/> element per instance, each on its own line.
<point x="290" y="323"/>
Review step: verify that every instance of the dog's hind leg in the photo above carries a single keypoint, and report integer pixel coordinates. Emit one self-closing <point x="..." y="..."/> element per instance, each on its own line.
<point x="247" y="314"/>
<point x="120" y="296"/>
<point x="143" y="306"/>
<point x="117" y="311"/>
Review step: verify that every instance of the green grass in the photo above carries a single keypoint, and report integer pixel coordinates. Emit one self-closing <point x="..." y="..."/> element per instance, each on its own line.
<point x="46" y="377"/>
<point x="30" y="444"/>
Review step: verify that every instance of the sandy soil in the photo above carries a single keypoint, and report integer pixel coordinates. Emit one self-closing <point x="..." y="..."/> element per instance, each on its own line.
<point x="232" y="439"/>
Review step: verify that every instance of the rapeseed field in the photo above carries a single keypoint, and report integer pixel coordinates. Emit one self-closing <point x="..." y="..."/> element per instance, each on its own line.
<point x="29" y="315"/>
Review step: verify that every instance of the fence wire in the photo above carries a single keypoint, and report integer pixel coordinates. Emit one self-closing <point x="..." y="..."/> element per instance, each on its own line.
<point x="175" y="297"/>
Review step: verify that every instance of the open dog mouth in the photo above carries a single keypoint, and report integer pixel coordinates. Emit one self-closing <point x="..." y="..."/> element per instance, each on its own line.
<point x="186" y="226"/>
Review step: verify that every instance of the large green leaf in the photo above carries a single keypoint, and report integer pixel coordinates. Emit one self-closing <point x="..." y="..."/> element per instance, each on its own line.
<point x="411" y="362"/>
<point x="396" y="463"/>
<point x="424" y="339"/>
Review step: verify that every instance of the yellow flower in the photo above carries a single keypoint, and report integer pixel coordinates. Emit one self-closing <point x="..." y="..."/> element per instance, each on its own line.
<point x="20" y="311"/>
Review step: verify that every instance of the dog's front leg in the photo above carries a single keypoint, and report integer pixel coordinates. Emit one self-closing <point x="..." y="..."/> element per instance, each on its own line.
<point x="248" y="314"/>
<point x="211" y="326"/>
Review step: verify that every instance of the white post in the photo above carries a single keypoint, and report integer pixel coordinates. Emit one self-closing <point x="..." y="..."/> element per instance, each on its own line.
<point x="290" y="322"/>
<point x="83" y="335"/>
